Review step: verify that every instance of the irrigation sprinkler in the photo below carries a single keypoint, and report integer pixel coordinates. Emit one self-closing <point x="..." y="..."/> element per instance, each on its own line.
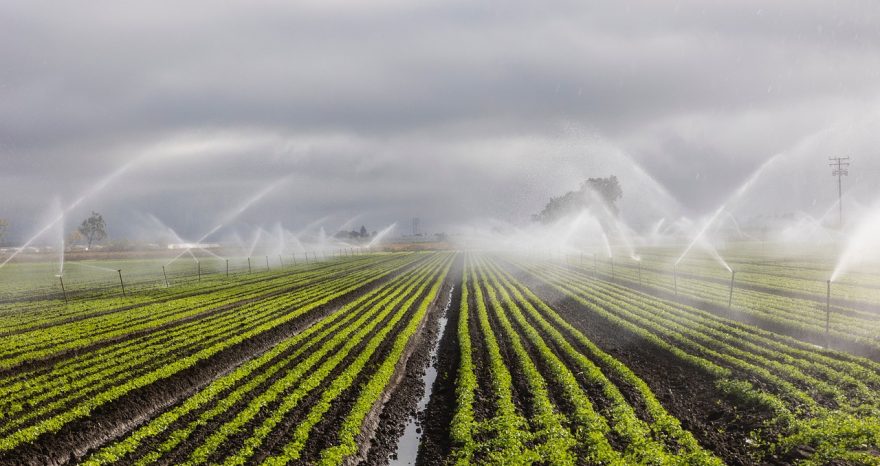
<point x="640" y="272"/>
<point x="249" y="265"/>
<point x="199" y="269"/>
<point x="611" y="260"/>
<point x="828" y="315"/>
<point x="165" y="275"/>
<point x="121" y="283"/>
<point x="732" y="280"/>
<point x="267" y="263"/>
<point x="281" y="261"/>
<point x="293" y="256"/>
<point x="675" y="279"/>
<point x="227" y="268"/>
<point x="315" y="256"/>
<point x="63" y="291"/>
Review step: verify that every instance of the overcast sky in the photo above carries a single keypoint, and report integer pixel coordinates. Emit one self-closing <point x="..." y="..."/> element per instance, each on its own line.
<point x="452" y="111"/>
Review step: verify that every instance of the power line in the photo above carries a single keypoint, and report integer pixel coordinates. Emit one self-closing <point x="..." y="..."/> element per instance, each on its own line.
<point x="839" y="165"/>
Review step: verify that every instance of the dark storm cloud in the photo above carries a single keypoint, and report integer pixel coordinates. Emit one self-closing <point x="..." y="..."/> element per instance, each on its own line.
<point x="449" y="111"/>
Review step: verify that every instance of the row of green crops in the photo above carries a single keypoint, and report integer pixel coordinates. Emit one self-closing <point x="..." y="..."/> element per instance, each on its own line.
<point x="520" y="334"/>
<point x="798" y="315"/>
<point x="244" y="416"/>
<point x="19" y="316"/>
<point x="46" y="397"/>
<point x="824" y="399"/>
<point x="89" y="278"/>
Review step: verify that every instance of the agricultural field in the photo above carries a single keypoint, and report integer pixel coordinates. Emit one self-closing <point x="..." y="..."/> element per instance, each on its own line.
<point x="440" y="233"/>
<point x="788" y="293"/>
<point x="530" y="360"/>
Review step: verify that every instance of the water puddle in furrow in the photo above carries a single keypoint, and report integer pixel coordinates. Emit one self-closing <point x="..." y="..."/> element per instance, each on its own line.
<point x="408" y="446"/>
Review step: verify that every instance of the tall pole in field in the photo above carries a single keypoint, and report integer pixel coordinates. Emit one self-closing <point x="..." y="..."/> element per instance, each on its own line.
<point x="640" y="273"/>
<point x="828" y="315"/>
<point x="249" y="265"/>
<point x="227" y="268"/>
<point x="165" y="275"/>
<point x="63" y="291"/>
<point x="267" y="263"/>
<point x="839" y="170"/>
<point x="732" y="278"/>
<point x="293" y="256"/>
<point x="199" y="267"/>
<point x="675" y="279"/>
<point x="611" y="260"/>
<point x="281" y="261"/>
<point x="121" y="283"/>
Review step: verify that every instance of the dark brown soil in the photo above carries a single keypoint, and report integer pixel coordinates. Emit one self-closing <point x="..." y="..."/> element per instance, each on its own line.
<point x="435" y="446"/>
<point x="403" y="401"/>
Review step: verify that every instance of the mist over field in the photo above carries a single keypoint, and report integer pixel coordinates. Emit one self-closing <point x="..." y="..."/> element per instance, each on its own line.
<point x="462" y="115"/>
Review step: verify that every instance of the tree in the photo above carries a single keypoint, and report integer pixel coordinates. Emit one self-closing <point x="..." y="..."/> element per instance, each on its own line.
<point x="593" y="193"/>
<point x="363" y="232"/>
<point x="93" y="229"/>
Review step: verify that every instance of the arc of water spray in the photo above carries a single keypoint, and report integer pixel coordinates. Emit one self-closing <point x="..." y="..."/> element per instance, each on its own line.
<point x="733" y="199"/>
<point x="700" y="234"/>
<point x="384" y="232"/>
<point x="232" y="215"/>
<point x="96" y="188"/>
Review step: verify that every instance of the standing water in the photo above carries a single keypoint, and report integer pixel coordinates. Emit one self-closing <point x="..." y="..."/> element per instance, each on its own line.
<point x="408" y="446"/>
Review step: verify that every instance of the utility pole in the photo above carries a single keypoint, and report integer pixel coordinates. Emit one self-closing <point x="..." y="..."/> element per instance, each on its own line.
<point x="838" y="165"/>
<point x="416" y="223"/>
